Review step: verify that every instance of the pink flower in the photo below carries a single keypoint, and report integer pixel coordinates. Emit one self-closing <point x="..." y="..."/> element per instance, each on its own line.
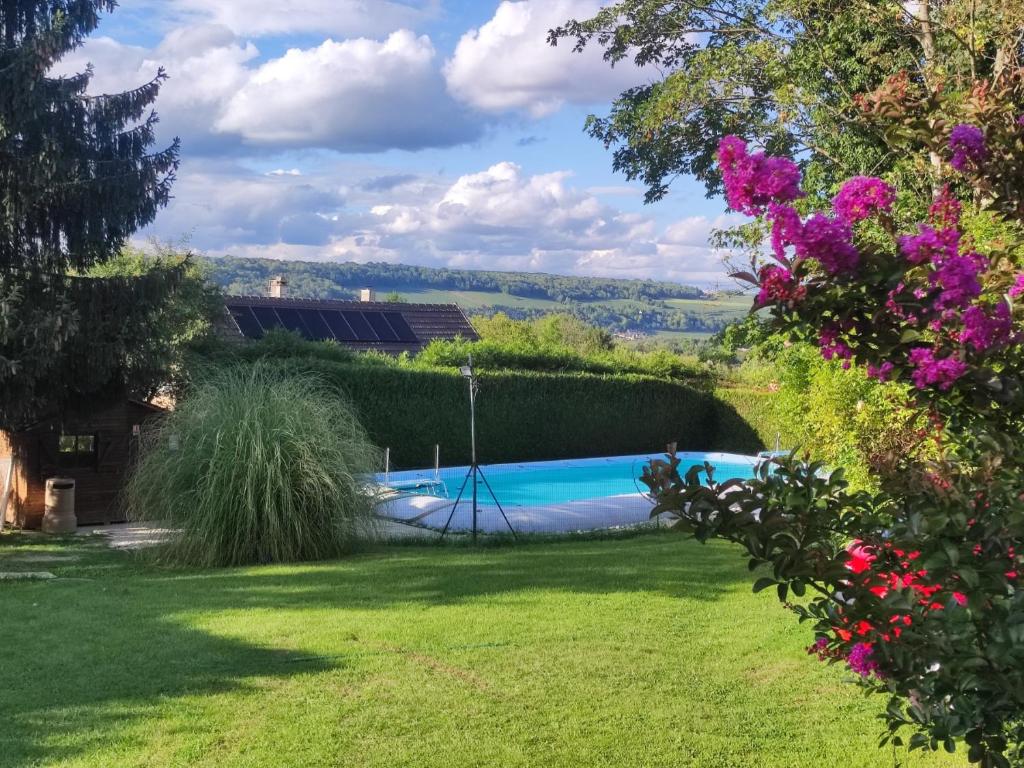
<point x="786" y="227"/>
<point x="983" y="331"/>
<point x="1018" y="287"/>
<point x="861" y="557"/>
<point x="957" y="276"/>
<point x="929" y="245"/>
<point x="831" y="347"/>
<point x="932" y="371"/>
<point x="945" y="211"/>
<point x="960" y="598"/>
<point x="881" y="372"/>
<point x="861" y="197"/>
<point x="968" y="145"/>
<point x="778" y="286"/>
<point x="830" y="242"/>
<point x="752" y="181"/>
<point x="861" y="661"/>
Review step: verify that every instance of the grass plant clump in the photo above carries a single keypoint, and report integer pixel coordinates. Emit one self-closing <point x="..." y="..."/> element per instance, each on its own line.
<point x="256" y="466"/>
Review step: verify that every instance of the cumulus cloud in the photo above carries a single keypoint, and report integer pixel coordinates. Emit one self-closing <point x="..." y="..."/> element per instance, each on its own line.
<point x="498" y="218"/>
<point x="355" y="96"/>
<point x="352" y="96"/>
<point x="507" y="63"/>
<point x="219" y="206"/>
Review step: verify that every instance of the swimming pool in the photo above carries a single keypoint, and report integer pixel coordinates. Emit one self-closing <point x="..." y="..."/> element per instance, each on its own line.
<point x="572" y="494"/>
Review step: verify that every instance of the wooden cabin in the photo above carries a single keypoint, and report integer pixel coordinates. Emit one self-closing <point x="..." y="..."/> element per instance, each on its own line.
<point x="95" y="448"/>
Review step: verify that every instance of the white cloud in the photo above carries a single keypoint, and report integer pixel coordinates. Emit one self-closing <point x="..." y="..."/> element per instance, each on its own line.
<point x="507" y="63"/>
<point x="498" y="218"/>
<point x="356" y="96"/>
<point x="218" y="206"/>
<point x="352" y="96"/>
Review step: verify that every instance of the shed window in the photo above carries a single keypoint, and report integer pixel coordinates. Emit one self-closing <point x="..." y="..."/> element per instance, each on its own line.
<point x="77" y="450"/>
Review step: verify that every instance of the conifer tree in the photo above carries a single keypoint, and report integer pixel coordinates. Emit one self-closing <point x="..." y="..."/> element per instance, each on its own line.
<point x="77" y="177"/>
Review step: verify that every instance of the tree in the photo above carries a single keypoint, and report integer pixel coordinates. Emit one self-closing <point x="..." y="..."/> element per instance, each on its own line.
<point x="181" y="324"/>
<point x="783" y="73"/>
<point x="77" y="178"/>
<point x="395" y="298"/>
<point x="916" y="587"/>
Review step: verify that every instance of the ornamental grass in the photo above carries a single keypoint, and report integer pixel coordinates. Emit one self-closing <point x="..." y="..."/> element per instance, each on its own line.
<point x="256" y="466"/>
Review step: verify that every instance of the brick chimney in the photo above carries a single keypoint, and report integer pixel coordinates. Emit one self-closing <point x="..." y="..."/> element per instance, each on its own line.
<point x="278" y="284"/>
<point x="367" y="294"/>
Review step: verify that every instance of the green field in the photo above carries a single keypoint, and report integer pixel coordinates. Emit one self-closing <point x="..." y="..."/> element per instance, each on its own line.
<point x="471" y="300"/>
<point x="650" y="651"/>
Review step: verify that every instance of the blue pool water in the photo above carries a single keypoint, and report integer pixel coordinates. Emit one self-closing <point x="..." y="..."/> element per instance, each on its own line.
<point x="558" y="482"/>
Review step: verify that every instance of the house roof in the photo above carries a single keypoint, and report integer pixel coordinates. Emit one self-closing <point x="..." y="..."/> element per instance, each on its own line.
<point x="360" y="325"/>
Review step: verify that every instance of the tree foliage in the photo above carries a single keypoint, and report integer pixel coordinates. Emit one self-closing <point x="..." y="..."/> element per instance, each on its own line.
<point x="77" y="178"/>
<point x="783" y="73"/>
<point x="916" y="586"/>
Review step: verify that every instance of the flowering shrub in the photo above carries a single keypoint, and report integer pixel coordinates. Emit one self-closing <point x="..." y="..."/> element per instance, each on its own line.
<point x="915" y="588"/>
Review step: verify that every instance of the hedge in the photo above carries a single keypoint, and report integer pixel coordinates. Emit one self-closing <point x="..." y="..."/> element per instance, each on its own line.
<point x="521" y="415"/>
<point x="747" y="421"/>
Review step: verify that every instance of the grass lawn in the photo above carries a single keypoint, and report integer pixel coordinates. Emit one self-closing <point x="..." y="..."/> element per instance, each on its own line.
<point x="648" y="651"/>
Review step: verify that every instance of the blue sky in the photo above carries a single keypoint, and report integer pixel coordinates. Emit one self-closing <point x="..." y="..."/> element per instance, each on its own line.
<point x="435" y="132"/>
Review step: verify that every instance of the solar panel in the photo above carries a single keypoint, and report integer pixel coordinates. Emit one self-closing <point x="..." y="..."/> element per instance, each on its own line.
<point x="318" y="329"/>
<point x="362" y="328"/>
<point x="247" y="324"/>
<point x="267" y="318"/>
<point x="290" y="319"/>
<point x="338" y="326"/>
<point x="380" y="326"/>
<point x="401" y="327"/>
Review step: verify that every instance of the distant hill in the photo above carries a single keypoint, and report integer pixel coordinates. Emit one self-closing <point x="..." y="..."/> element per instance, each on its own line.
<point x="617" y="305"/>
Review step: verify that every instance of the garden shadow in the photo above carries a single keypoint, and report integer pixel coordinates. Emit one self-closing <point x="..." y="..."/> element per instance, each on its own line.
<point x="84" y="660"/>
<point x="661" y="563"/>
<point x="99" y="646"/>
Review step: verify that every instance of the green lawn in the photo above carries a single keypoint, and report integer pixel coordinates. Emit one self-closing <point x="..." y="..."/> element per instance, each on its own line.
<point x="649" y="651"/>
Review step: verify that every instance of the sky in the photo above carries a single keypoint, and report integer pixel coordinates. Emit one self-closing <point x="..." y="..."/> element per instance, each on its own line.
<point x="430" y="132"/>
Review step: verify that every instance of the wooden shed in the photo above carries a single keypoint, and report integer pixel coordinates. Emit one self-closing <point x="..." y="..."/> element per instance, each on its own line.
<point x="95" y="448"/>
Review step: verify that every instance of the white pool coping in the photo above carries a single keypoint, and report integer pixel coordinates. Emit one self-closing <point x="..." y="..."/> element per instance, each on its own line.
<point x="618" y="511"/>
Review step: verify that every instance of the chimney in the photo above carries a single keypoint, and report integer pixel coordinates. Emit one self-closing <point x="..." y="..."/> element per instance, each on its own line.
<point x="278" y="283"/>
<point x="367" y="294"/>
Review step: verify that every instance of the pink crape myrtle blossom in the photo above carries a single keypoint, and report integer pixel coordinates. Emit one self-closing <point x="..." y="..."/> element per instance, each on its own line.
<point x="929" y="245"/>
<point x="778" y="285"/>
<point x="957" y="277"/>
<point x="968" y="145"/>
<point x="881" y="372"/>
<point x="832" y="348"/>
<point x="830" y="242"/>
<point x="984" y="331"/>
<point x="861" y="661"/>
<point x="932" y="371"/>
<point x="944" y="212"/>
<point x="786" y="227"/>
<point x="862" y="197"/>
<point x="1018" y="287"/>
<point x="753" y="181"/>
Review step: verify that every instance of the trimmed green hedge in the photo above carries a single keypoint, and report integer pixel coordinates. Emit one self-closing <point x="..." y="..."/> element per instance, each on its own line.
<point x="748" y="421"/>
<point x="521" y="415"/>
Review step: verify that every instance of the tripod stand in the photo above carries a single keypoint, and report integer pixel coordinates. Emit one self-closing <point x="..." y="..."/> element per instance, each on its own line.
<point x="475" y="471"/>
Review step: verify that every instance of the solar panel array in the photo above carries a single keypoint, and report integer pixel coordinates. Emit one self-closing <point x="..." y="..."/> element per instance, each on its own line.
<point x="324" y="324"/>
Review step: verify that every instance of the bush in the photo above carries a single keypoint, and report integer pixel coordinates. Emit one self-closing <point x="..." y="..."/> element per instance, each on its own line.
<point x="747" y="421"/>
<point x="256" y="466"/>
<point x="522" y="415"/>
